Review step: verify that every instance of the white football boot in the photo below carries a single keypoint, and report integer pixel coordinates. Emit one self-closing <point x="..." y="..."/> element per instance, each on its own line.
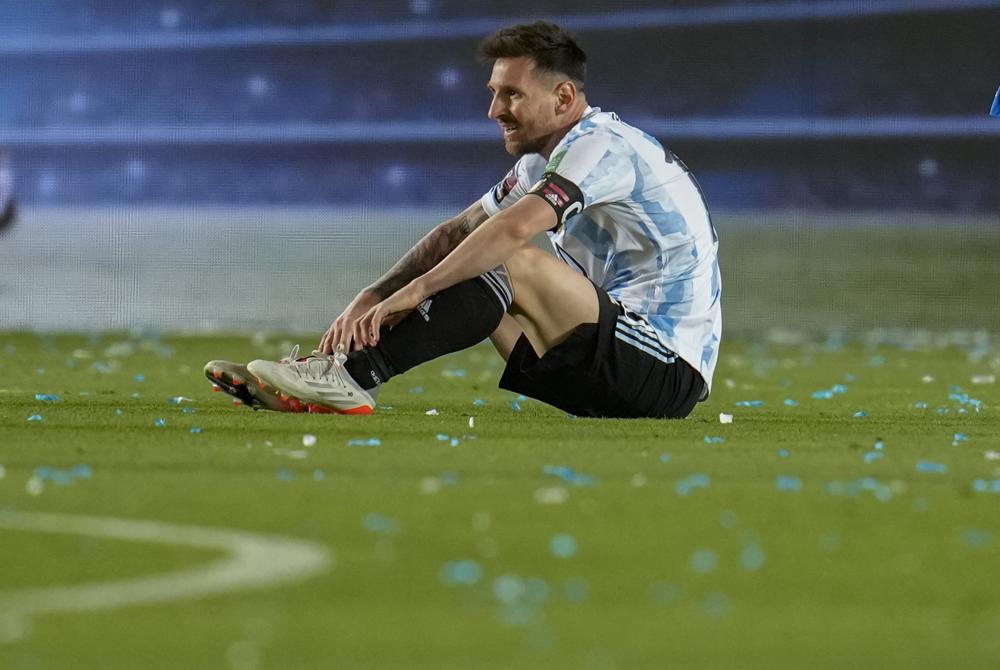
<point x="319" y="381"/>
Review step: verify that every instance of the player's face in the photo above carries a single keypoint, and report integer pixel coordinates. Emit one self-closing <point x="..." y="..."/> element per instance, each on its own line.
<point x="524" y="105"/>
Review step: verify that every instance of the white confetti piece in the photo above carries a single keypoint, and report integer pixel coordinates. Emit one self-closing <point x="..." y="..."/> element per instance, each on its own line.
<point x="927" y="379"/>
<point x="551" y="495"/>
<point x="430" y="485"/>
<point x="992" y="455"/>
<point x="984" y="379"/>
<point x="431" y="412"/>
<point x="308" y="440"/>
<point x="35" y="486"/>
<point x="472" y="422"/>
<point x="725" y="418"/>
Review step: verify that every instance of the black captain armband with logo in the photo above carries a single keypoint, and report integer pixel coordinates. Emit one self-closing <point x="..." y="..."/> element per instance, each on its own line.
<point x="564" y="196"/>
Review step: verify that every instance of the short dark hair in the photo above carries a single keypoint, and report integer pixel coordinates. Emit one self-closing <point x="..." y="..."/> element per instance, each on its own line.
<point x="551" y="47"/>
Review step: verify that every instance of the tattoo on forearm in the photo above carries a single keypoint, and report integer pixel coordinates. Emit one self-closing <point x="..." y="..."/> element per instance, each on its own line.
<point x="426" y="253"/>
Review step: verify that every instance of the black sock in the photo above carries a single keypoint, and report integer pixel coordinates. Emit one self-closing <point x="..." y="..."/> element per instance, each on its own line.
<point x="450" y="320"/>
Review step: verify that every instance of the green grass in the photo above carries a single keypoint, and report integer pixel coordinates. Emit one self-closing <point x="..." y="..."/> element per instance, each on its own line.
<point x="899" y="574"/>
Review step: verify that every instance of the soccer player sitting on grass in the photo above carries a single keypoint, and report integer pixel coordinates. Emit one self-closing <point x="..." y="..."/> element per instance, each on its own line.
<point x="624" y="321"/>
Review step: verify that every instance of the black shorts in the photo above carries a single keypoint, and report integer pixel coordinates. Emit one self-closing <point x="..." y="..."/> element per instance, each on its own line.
<point x="594" y="373"/>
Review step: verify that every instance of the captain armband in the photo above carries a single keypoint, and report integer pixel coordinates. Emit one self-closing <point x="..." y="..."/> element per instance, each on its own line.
<point x="563" y="195"/>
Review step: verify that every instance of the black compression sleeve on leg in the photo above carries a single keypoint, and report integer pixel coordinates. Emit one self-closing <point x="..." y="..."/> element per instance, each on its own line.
<point x="450" y="320"/>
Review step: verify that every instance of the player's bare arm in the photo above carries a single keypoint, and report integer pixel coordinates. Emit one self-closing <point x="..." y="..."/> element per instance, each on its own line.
<point x="424" y="255"/>
<point x="482" y="250"/>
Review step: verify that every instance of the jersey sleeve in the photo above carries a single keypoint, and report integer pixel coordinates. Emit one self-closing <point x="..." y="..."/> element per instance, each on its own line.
<point x="514" y="186"/>
<point x="601" y="164"/>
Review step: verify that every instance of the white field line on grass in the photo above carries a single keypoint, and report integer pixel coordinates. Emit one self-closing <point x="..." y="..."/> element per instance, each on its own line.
<point x="253" y="561"/>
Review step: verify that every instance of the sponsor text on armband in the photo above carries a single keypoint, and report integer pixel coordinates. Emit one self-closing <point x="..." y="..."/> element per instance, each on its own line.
<point x="563" y="195"/>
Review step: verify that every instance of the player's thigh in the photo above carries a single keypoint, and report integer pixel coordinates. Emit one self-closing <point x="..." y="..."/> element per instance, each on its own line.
<point x="550" y="298"/>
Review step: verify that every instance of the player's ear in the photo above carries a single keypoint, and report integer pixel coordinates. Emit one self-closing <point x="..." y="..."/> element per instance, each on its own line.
<point x="565" y="95"/>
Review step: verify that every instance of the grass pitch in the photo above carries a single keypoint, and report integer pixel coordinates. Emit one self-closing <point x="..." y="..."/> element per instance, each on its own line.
<point x="849" y="516"/>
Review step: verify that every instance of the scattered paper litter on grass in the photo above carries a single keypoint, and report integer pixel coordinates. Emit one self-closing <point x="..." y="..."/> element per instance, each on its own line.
<point x="704" y="561"/>
<point x="369" y="442"/>
<point x="551" y="495"/>
<point x="686" y="486"/>
<point x="178" y="399"/>
<point x="308" y="440"/>
<point x="725" y="418"/>
<point x="714" y="439"/>
<point x="46" y="397"/>
<point x="472" y="422"/>
<point x="431" y="412"/>
<point x="34" y="486"/>
<point x="196" y="430"/>
<point x="991" y="455"/>
<point x="568" y="475"/>
<point x="788" y="483"/>
<point x="461" y="572"/>
<point x="984" y="379"/>
<point x="927" y="379"/>
<point x="789" y="402"/>
<point x="35" y="418"/>
<point x="932" y="467"/>
<point x="749" y="403"/>
<point x="563" y="545"/>
<point x="160" y="423"/>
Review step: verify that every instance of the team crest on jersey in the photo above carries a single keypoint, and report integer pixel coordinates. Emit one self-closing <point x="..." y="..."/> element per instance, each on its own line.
<point x="506" y="185"/>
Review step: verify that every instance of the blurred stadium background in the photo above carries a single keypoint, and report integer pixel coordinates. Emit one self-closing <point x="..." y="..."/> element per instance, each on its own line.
<point x="224" y="164"/>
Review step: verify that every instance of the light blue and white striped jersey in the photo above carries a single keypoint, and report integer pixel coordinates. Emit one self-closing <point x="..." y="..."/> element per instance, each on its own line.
<point x="643" y="235"/>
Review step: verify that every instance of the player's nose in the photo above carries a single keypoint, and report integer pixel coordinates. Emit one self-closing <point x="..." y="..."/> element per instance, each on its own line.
<point x="496" y="108"/>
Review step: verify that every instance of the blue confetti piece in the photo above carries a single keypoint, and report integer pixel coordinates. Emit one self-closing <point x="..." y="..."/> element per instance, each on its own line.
<point x="160" y="423"/>
<point x="976" y="538"/>
<point x="860" y="414"/>
<point x="463" y="572"/>
<point x="448" y="478"/>
<point x="196" y="430"/>
<point x="515" y="405"/>
<point x="788" y="483"/>
<point x="960" y="437"/>
<point x="850" y="377"/>
<point x="576" y="590"/>
<point x="839" y="389"/>
<point x="932" y="467"/>
<point x="876" y="361"/>
<point x="81" y="471"/>
<point x="479" y="402"/>
<point x="284" y="475"/>
<point x="750" y="403"/>
<point x="688" y="485"/>
<point x="46" y="397"/>
<point x="119" y="411"/>
<point x="663" y="593"/>
<point x="379" y="524"/>
<point x="715" y="605"/>
<point x="791" y="403"/>
<point x="416" y="390"/>
<point x="920" y="405"/>
<point x="714" y="439"/>
<point x="879" y="445"/>
<point x="319" y="475"/>
<point x="872" y="456"/>
<point x="704" y="561"/>
<point x="35" y="418"/>
<point x="189" y="410"/>
<point x="980" y="486"/>
<point x="664" y="458"/>
<point x="454" y="442"/>
<point x="140" y="377"/>
<point x="562" y="545"/>
<point x="370" y="442"/>
<point x="752" y="558"/>
<point x="568" y="475"/>
<point x="822" y="395"/>
<point x="441" y="437"/>
<point x="783" y="453"/>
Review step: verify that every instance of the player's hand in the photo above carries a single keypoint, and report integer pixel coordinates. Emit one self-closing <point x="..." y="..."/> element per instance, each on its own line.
<point x="345" y="329"/>
<point x="390" y="312"/>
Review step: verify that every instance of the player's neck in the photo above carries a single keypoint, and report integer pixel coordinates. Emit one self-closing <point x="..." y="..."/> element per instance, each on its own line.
<point x="573" y="116"/>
